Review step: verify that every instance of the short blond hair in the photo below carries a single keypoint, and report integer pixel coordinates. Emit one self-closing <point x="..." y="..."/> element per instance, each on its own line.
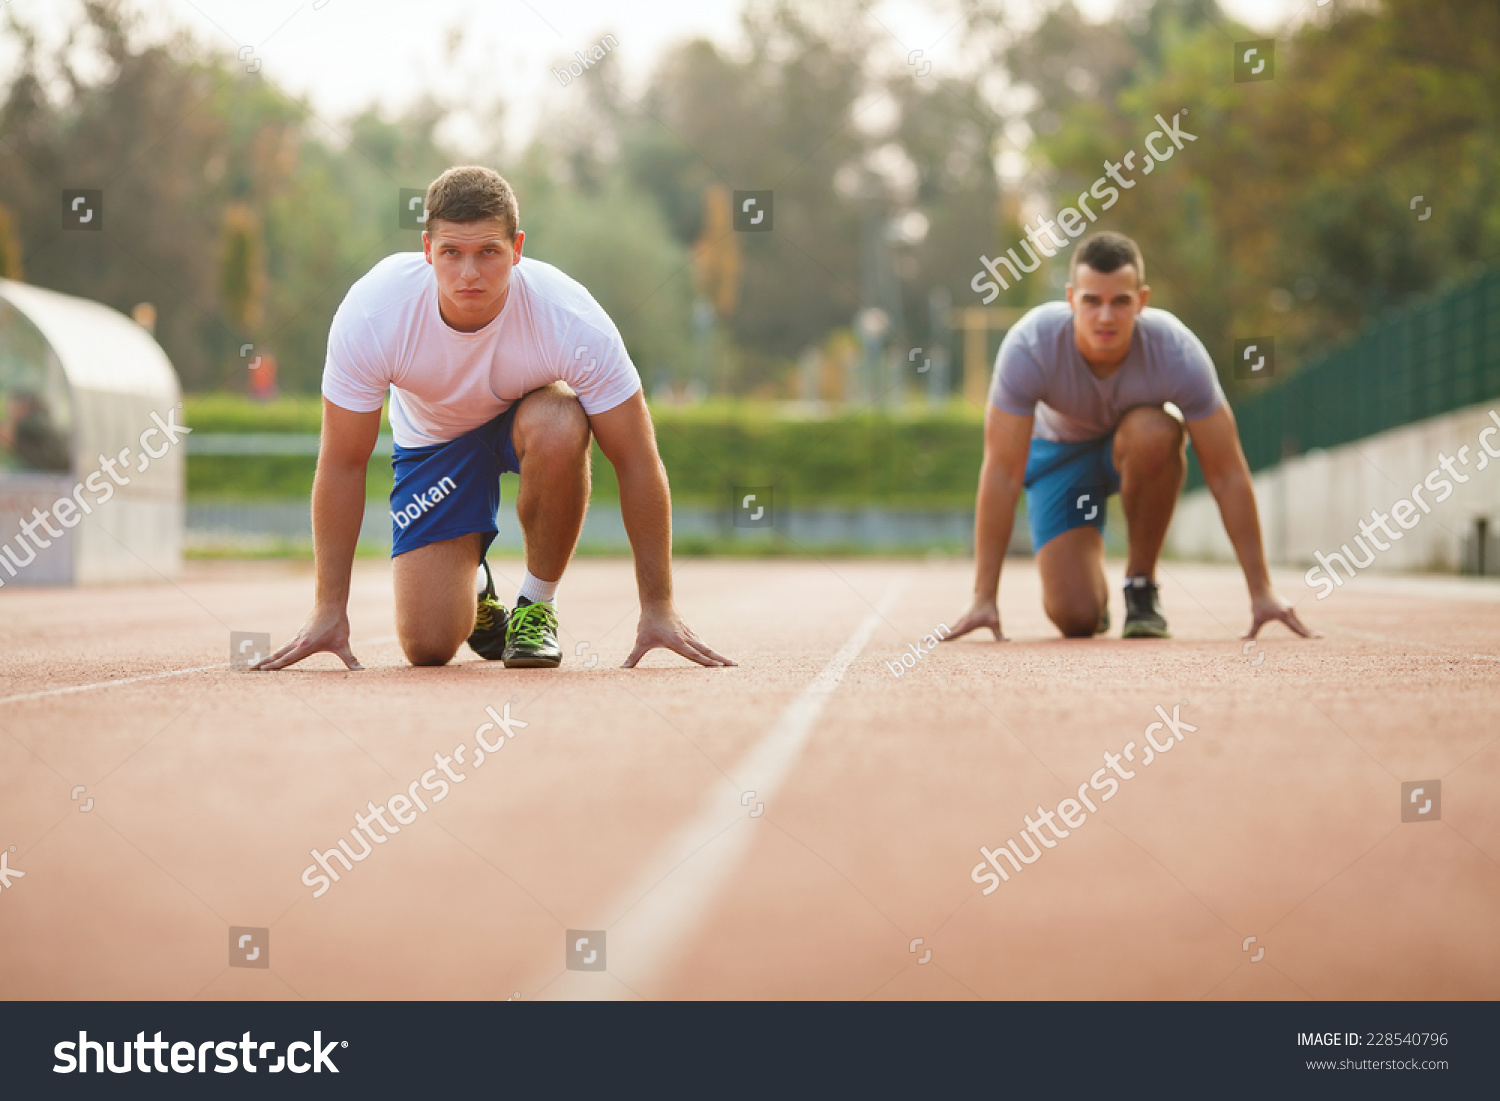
<point x="472" y="193"/>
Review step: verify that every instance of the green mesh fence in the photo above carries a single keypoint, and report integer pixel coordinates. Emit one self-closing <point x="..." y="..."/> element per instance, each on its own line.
<point x="1439" y="355"/>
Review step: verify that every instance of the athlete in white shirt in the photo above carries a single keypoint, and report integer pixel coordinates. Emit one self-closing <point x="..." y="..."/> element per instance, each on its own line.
<point x="493" y="365"/>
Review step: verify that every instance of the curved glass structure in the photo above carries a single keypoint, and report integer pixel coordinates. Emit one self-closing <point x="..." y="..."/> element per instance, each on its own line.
<point x="35" y="410"/>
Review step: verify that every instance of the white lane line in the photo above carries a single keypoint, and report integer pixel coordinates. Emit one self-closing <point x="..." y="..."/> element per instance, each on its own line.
<point x="147" y="676"/>
<point x="667" y="903"/>
<point x="108" y="683"/>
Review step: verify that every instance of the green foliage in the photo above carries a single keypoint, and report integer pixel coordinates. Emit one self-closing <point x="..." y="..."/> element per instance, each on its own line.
<point x="923" y="460"/>
<point x="1291" y="214"/>
<point x="225" y="412"/>
<point x="867" y="458"/>
<point x="270" y="478"/>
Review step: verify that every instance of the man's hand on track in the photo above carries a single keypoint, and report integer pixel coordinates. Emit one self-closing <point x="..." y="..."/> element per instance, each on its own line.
<point x="982" y="613"/>
<point x="325" y="629"/>
<point x="664" y="628"/>
<point x="1269" y="606"/>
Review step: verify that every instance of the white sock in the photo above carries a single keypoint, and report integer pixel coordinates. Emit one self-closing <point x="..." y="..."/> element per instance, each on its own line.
<point x="536" y="590"/>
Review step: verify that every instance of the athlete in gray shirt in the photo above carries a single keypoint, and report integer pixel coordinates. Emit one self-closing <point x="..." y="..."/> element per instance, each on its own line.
<point x="1095" y="396"/>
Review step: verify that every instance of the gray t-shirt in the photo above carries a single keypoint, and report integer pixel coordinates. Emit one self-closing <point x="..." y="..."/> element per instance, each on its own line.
<point x="1040" y="371"/>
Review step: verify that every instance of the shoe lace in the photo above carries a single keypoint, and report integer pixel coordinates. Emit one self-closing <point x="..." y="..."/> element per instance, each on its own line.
<point x="489" y="614"/>
<point x="529" y="625"/>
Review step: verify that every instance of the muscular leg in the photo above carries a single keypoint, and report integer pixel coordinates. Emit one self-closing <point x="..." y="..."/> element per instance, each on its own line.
<point x="551" y="438"/>
<point x="1074" y="592"/>
<point x="435" y="598"/>
<point x="1149" y="454"/>
<point x="435" y="584"/>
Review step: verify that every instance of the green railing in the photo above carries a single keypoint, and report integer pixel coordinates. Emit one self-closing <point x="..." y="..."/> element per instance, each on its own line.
<point x="1438" y="355"/>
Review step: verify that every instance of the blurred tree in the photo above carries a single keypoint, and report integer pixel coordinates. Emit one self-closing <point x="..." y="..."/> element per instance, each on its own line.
<point x="241" y="278"/>
<point x="616" y="244"/>
<point x="812" y="109"/>
<point x="151" y="126"/>
<point x="717" y="263"/>
<point x="1296" y="211"/>
<point x="10" y="246"/>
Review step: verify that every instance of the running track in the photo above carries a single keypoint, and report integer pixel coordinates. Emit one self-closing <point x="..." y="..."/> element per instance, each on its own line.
<point x="622" y="805"/>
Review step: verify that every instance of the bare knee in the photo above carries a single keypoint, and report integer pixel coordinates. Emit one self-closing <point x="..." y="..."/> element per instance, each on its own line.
<point x="552" y="425"/>
<point x="1077" y="617"/>
<point x="428" y="650"/>
<point x="1149" y="440"/>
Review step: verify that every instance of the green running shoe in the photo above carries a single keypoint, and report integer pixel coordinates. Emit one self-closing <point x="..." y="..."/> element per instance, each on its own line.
<point x="1103" y="628"/>
<point x="531" y="638"/>
<point x="490" y="621"/>
<point x="1143" y="618"/>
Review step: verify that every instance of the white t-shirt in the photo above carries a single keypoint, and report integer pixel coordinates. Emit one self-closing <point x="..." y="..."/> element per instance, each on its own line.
<point x="388" y="335"/>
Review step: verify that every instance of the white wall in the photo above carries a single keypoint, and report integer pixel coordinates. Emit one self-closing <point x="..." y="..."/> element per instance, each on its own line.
<point x="1315" y="502"/>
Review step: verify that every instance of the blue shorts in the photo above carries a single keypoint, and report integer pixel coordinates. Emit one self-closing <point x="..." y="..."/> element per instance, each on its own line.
<point x="451" y="489"/>
<point x="1068" y="485"/>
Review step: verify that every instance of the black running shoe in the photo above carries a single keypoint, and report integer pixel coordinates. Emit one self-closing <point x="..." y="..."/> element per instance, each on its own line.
<point x="490" y="621"/>
<point x="1143" y="618"/>
<point x="1103" y="628"/>
<point x="531" y="638"/>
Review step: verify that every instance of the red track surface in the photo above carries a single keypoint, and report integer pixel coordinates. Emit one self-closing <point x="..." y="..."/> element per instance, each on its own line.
<point x="619" y="806"/>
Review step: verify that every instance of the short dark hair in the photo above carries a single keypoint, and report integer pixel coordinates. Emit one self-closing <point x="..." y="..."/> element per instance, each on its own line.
<point x="472" y="193"/>
<point x="1106" y="252"/>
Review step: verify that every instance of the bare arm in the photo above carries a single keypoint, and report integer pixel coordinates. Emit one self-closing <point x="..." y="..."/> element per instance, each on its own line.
<point x="1216" y="441"/>
<point x="338" y="507"/>
<point x="1002" y="476"/>
<point x="628" y="440"/>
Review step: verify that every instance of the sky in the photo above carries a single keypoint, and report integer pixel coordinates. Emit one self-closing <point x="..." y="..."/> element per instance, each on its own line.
<point x="344" y="54"/>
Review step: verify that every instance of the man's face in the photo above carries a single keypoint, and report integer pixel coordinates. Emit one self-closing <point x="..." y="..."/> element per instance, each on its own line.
<point x="472" y="262"/>
<point x="1105" y="306"/>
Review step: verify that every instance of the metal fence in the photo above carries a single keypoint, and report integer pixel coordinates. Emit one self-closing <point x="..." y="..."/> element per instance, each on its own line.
<point x="1439" y="355"/>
